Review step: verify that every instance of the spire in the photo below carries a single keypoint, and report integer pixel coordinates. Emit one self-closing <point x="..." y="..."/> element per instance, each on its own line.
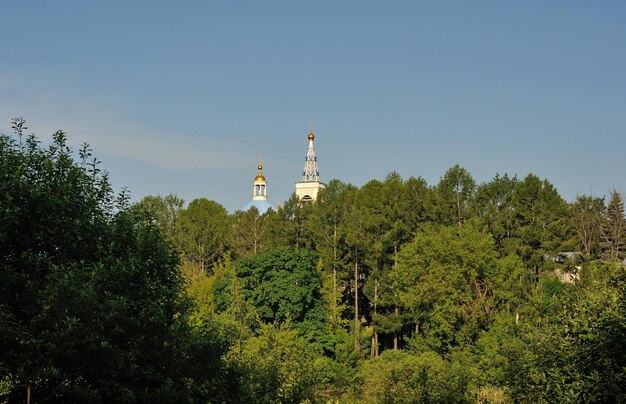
<point x="310" y="173"/>
<point x="309" y="187"/>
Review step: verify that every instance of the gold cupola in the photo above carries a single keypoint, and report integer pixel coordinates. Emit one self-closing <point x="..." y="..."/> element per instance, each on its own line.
<point x="259" y="176"/>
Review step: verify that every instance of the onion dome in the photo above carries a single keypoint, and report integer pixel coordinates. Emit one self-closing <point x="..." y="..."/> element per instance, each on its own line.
<point x="260" y="176"/>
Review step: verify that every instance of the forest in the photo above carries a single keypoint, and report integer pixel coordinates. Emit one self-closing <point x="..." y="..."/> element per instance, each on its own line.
<point x="395" y="291"/>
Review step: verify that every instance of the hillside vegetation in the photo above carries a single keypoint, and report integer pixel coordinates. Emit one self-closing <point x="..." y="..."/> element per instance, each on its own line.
<point x="396" y="291"/>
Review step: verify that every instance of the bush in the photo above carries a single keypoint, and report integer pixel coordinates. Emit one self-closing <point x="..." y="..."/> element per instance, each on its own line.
<point x="398" y="376"/>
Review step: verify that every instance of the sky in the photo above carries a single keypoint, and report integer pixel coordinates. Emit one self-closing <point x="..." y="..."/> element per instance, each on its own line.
<point x="184" y="97"/>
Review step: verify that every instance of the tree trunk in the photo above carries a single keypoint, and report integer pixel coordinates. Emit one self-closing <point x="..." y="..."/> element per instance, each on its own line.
<point x="395" y="334"/>
<point x="357" y="325"/>
<point x="256" y="235"/>
<point x="334" y="316"/>
<point x="201" y="257"/>
<point x="374" y="331"/>
<point x="458" y="209"/>
<point x="28" y="394"/>
<point x="395" y="255"/>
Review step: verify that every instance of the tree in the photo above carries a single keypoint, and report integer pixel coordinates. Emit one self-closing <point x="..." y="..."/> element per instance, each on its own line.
<point x="283" y="284"/>
<point x="202" y="233"/>
<point x="90" y="303"/>
<point x="372" y="204"/>
<point x="494" y="205"/>
<point x="278" y="366"/>
<point x="357" y="242"/>
<point x="586" y="215"/>
<point x="290" y="226"/>
<point x="444" y="278"/>
<point x="454" y="195"/>
<point x="398" y="376"/>
<point x="328" y="223"/>
<point x="165" y="211"/>
<point x="614" y="228"/>
<point x="577" y="354"/>
<point x="542" y="222"/>
<point x="249" y="234"/>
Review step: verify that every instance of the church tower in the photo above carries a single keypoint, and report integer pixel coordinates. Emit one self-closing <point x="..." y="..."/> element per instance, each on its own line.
<point x="259" y="193"/>
<point x="309" y="187"/>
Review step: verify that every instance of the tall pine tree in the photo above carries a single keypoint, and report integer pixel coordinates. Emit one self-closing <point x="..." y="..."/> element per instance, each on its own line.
<point x="614" y="228"/>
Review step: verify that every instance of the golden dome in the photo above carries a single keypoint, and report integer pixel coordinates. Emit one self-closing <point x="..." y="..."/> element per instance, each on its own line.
<point x="311" y="135"/>
<point x="260" y="176"/>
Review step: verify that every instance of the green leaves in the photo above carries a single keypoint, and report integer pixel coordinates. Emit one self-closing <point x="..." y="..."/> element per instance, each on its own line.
<point x="89" y="293"/>
<point x="280" y="366"/>
<point x="402" y="377"/>
<point x="282" y="283"/>
<point x="451" y="281"/>
<point x="578" y="353"/>
<point x="202" y="233"/>
<point x="462" y="281"/>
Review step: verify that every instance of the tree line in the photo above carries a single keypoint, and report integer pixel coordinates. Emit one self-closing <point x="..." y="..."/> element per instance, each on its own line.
<point x="395" y="291"/>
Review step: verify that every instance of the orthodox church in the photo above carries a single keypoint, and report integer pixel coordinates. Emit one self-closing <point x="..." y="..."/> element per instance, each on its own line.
<point x="306" y="190"/>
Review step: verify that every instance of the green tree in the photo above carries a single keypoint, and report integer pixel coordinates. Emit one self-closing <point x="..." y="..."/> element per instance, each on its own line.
<point x="542" y="224"/>
<point x="90" y="303"/>
<point x="614" y="228"/>
<point x="290" y="226"/>
<point x="586" y="214"/>
<point x="203" y="231"/>
<point x="401" y="377"/>
<point x="279" y="366"/>
<point x="444" y="278"/>
<point x="454" y="195"/>
<point x="250" y="233"/>
<point x="328" y="223"/>
<point x="577" y="354"/>
<point x="494" y="205"/>
<point x="283" y="284"/>
<point x="164" y="210"/>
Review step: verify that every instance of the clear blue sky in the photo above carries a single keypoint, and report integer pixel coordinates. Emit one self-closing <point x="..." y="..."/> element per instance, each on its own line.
<point x="182" y="97"/>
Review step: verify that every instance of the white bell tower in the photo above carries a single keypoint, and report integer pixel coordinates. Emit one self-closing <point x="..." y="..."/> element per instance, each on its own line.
<point x="309" y="187"/>
<point x="260" y="186"/>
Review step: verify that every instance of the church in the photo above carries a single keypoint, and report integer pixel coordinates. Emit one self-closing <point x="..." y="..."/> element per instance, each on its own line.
<point x="306" y="190"/>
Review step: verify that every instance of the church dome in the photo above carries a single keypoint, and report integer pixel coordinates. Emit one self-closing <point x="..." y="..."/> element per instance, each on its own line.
<point x="261" y="205"/>
<point x="311" y="135"/>
<point x="259" y="176"/>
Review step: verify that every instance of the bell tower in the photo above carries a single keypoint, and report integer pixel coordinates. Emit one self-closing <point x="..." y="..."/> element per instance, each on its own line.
<point x="260" y="185"/>
<point x="309" y="187"/>
<point x="259" y="193"/>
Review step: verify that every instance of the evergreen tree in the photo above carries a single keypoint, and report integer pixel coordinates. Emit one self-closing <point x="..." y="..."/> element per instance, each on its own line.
<point x="454" y="195"/>
<point x="494" y="205"/>
<point x="614" y="228"/>
<point x="202" y="233"/>
<point x="249" y="235"/>
<point x="329" y="231"/>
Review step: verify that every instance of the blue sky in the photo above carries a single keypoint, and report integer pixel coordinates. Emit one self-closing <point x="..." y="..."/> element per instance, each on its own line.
<point x="183" y="97"/>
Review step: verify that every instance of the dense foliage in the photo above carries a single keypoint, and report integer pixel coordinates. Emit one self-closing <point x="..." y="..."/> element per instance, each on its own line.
<point x="89" y="292"/>
<point x="396" y="291"/>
